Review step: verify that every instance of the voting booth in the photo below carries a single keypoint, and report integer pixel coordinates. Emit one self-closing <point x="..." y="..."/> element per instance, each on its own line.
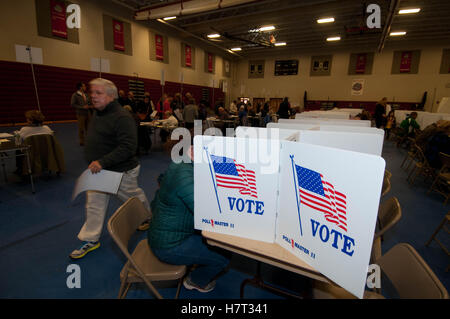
<point x="323" y="114"/>
<point x="320" y="203"/>
<point x="325" y="121"/>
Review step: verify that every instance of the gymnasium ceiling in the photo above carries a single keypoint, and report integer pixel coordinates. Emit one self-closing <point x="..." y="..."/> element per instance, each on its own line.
<point x="295" y="23"/>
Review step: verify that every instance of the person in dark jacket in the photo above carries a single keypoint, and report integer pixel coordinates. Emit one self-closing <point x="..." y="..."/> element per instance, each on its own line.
<point x="80" y="102"/>
<point x="380" y="113"/>
<point x="111" y="145"/>
<point x="171" y="235"/>
<point x="284" y="110"/>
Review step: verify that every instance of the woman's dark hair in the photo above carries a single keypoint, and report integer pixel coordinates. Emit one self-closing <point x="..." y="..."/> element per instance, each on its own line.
<point x="79" y="85"/>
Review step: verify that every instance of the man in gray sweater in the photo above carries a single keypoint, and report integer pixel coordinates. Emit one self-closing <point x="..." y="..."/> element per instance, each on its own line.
<point x="111" y="144"/>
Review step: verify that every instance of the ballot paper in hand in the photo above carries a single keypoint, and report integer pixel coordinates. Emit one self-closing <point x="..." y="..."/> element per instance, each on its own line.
<point x="103" y="181"/>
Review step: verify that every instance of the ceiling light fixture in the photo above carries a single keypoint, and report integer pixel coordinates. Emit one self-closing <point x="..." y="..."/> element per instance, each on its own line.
<point x="169" y="18"/>
<point x="235" y="49"/>
<point x="397" y="33"/>
<point x="268" y="28"/>
<point x="214" y="35"/>
<point x="333" y="39"/>
<point x="280" y="44"/>
<point x="325" y="20"/>
<point x="408" y="11"/>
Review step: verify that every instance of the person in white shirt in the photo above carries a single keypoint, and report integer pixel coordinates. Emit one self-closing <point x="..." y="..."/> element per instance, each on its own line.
<point x="233" y="108"/>
<point x="169" y="122"/>
<point x="34" y="127"/>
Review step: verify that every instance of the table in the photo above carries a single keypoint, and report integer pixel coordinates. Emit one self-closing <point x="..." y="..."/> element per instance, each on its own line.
<point x="154" y="125"/>
<point x="268" y="253"/>
<point x="9" y="147"/>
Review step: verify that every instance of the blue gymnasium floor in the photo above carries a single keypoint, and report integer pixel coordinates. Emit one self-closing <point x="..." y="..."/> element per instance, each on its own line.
<point x="39" y="231"/>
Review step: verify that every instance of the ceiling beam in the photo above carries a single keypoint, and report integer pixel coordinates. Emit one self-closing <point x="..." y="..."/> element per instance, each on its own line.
<point x="387" y="27"/>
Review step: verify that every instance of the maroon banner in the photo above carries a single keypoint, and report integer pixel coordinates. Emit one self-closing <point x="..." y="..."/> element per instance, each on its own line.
<point x="159" y="45"/>
<point x="210" y="62"/>
<point x="119" y="42"/>
<point x="405" y="62"/>
<point x="188" y="55"/>
<point x="58" y="16"/>
<point x="361" y="63"/>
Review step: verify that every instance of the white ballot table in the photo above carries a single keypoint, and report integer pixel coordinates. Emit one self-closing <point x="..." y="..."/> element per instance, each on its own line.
<point x="269" y="253"/>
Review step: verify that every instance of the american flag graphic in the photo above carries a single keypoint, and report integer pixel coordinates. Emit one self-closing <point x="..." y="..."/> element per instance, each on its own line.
<point x="232" y="175"/>
<point x="318" y="194"/>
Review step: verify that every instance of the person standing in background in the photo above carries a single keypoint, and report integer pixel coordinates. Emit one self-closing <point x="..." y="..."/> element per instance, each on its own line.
<point x="380" y="113"/>
<point x="284" y="110"/>
<point x="390" y="123"/>
<point x="80" y="102"/>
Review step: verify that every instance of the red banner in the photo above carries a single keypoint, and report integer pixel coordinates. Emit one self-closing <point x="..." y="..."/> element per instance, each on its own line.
<point x="405" y="62"/>
<point x="119" y="42"/>
<point x="210" y="62"/>
<point x="361" y="63"/>
<point x="58" y="16"/>
<point x="188" y="55"/>
<point x="159" y="45"/>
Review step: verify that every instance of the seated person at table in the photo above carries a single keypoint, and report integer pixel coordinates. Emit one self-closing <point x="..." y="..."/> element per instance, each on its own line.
<point x="34" y="125"/>
<point x="170" y="121"/>
<point x="410" y="126"/>
<point x="223" y="114"/>
<point x="190" y="114"/>
<point x="242" y="115"/>
<point x="428" y="132"/>
<point x="171" y="235"/>
<point x="437" y="143"/>
<point x="233" y="108"/>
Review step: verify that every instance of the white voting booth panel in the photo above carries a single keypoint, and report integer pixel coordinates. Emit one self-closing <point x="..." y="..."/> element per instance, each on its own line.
<point x="423" y="118"/>
<point x="323" y="121"/>
<point x="342" y="128"/>
<point x="264" y="133"/>
<point x="444" y="105"/>
<point x="328" y="206"/>
<point x="353" y="112"/>
<point x="323" y="114"/>
<point x="350" y="141"/>
<point x="232" y="193"/>
<point x="293" y="126"/>
<point x="320" y="203"/>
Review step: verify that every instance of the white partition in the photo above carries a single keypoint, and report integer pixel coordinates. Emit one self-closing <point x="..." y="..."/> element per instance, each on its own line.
<point x="350" y="141"/>
<point x="265" y="133"/>
<point x="355" y="129"/>
<point x="318" y="203"/>
<point x="444" y="106"/>
<point x="353" y="112"/>
<point x="324" y="114"/>
<point x="423" y="118"/>
<point x="322" y="121"/>
<point x="293" y="126"/>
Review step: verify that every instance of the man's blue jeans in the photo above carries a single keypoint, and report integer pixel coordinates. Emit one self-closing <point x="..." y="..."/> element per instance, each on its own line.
<point x="192" y="251"/>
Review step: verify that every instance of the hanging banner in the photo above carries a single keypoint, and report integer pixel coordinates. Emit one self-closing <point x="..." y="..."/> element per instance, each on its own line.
<point x="188" y="55"/>
<point x="405" y="62"/>
<point x="159" y="44"/>
<point x="361" y="63"/>
<point x="119" y="42"/>
<point x="58" y="16"/>
<point x="210" y="63"/>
